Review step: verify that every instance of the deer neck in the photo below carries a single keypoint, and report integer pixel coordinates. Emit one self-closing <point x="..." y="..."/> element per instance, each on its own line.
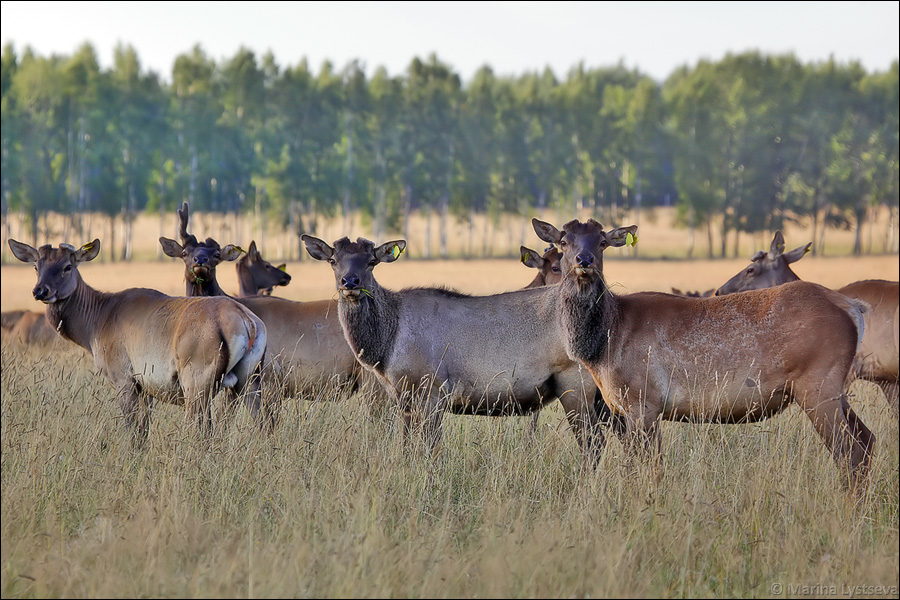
<point x="587" y="314"/>
<point x="246" y="283"/>
<point x="538" y="281"/>
<point x="207" y="288"/>
<point x="78" y="316"/>
<point x="370" y="325"/>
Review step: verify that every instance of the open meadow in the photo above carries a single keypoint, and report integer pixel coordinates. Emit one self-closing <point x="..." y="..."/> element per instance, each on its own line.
<point x="331" y="504"/>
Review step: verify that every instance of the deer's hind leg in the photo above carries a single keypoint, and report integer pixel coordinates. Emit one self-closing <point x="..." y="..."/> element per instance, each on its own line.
<point x="135" y="405"/>
<point x="851" y="443"/>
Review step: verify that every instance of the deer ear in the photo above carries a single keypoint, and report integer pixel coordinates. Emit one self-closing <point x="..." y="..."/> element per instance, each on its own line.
<point x="23" y="251"/>
<point x="622" y="236"/>
<point x="530" y="258"/>
<point x="88" y="252"/>
<point x="546" y="231"/>
<point x="797" y="253"/>
<point x="777" y="247"/>
<point x="390" y="251"/>
<point x="171" y="247"/>
<point x="231" y="252"/>
<point x="318" y="249"/>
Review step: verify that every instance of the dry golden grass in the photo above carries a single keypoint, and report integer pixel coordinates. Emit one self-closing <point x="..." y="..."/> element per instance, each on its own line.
<point x="331" y="505"/>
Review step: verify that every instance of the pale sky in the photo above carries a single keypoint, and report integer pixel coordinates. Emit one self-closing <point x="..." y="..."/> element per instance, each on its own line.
<point x="511" y="37"/>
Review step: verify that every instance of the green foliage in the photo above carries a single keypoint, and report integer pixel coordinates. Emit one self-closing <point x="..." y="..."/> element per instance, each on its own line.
<point x="742" y="144"/>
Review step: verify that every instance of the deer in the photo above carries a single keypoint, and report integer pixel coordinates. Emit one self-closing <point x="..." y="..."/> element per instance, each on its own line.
<point x="878" y="357"/>
<point x="550" y="273"/>
<point x="436" y="350"/>
<point x="547" y="265"/>
<point x="723" y="359"/>
<point x="257" y="276"/>
<point x="151" y="346"/>
<point x="306" y="345"/>
<point x="29" y="328"/>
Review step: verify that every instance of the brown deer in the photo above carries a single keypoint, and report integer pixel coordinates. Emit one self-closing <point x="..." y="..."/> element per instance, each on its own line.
<point x="437" y="350"/>
<point x="30" y="328"/>
<point x="547" y="265"/>
<point x="152" y="346"/>
<point x="306" y="345"/>
<point x="878" y="357"/>
<point x="257" y="276"/>
<point x="726" y="359"/>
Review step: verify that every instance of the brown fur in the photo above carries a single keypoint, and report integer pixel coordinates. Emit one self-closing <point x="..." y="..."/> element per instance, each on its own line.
<point x="435" y="350"/>
<point x="257" y="276"/>
<point x="722" y="359"/>
<point x="878" y="356"/>
<point x="306" y="344"/>
<point x="149" y="345"/>
<point x="30" y="328"/>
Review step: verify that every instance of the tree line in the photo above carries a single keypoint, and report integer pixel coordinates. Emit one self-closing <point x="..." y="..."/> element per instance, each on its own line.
<point x="739" y="145"/>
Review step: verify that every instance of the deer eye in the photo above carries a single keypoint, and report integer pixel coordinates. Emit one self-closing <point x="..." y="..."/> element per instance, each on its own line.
<point x="750" y="270"/>
<point x="373" y="262"/>
<point x="563" y="243"/>
<point x="67" y="268"/>
<point x="331" y="261"/>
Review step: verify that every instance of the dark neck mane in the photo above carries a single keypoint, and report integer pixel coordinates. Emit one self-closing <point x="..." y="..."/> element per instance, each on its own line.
<point x="588" y="313"/>
<point x="370" y="325"/>
<point x="207" y="288"/>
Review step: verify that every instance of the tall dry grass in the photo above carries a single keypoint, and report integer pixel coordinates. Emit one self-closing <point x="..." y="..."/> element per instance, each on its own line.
<point x="332" y="505"/>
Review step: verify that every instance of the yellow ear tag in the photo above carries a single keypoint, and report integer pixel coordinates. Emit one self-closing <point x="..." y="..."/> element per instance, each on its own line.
<point x="526" y="257"/>
<point x="282" y="268"/>
<point x="87" y="247"/>
<point x="395" y="251"/>
<point x="630" y="240"/>
<point x="239" y="249"/>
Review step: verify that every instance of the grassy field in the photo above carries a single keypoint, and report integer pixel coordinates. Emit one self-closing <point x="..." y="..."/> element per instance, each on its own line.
<point x="332" y="505"/>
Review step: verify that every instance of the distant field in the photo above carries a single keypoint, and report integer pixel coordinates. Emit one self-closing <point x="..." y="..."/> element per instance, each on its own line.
<point x="659" y="239"/>
<point x="313" y="280"/>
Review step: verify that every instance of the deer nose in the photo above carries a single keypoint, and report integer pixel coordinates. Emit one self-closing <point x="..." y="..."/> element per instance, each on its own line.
<point x="350" y="282"/>
<point x="40" y="292"/>
<point x="584" y="260"/>
<point x="201" y="260"/>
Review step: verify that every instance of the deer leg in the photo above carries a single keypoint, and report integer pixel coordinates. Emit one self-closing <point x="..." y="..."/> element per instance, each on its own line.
<point x="846" y="436"/>
<point x="642" y="429"/>
<point x="582" y="416"/>
<point x="615" y="421"/>
<point x="198" y="407"/>
<point x="264" y="410"/>
<point x="434" y="417"/>
<point x="135" y="407"/>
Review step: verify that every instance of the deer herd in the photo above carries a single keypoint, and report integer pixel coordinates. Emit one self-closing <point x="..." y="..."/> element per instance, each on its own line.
<point x="621" y="363"/>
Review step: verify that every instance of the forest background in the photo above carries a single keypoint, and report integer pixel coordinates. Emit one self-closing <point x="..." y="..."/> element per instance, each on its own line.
<point x="744" y="145"/>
